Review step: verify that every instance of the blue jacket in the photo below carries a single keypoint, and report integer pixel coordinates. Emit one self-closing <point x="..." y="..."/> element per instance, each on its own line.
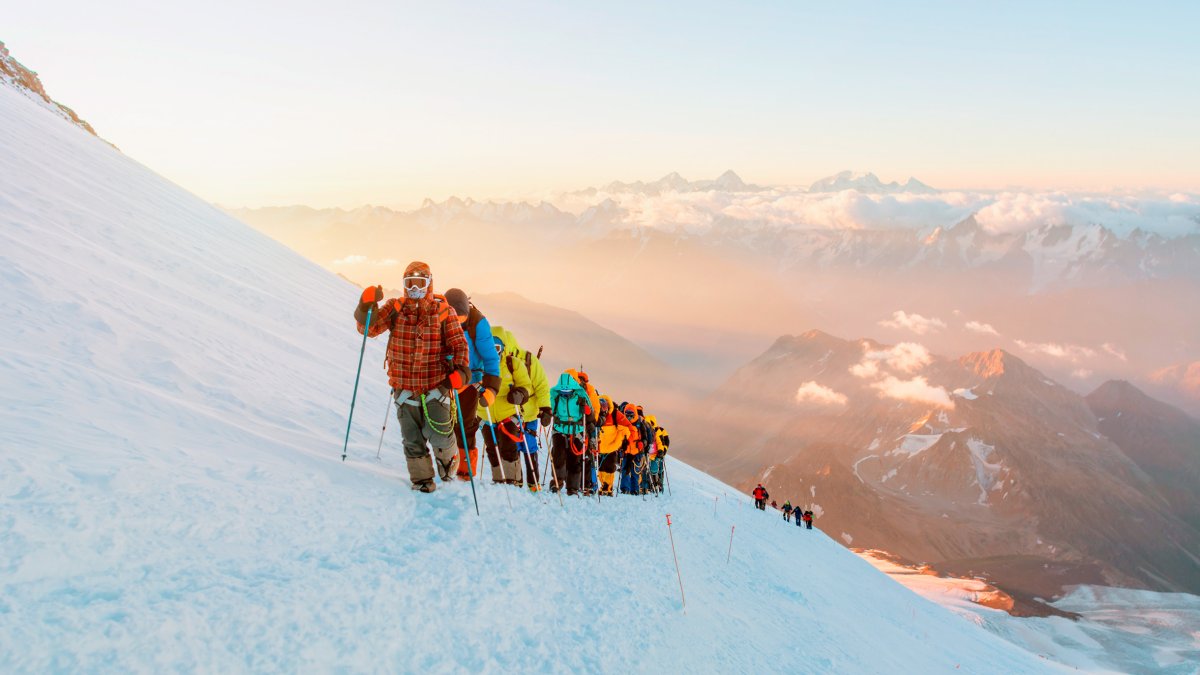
<point x="484" y="359"/>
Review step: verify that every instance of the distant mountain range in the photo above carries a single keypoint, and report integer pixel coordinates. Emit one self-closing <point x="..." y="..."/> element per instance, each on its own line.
<point x="1045" y="271"/>
<point x="980" y="463"/>
<point x="868" y="183"/>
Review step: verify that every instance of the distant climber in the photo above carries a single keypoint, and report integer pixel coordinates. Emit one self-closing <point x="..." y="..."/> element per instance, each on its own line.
<point x="787" y="511"/>
<point x="808" y="518"/>
<point x="760" y="497"/>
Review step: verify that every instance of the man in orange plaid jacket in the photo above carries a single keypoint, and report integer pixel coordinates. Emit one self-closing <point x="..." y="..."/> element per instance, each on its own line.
<point x="427" y="361"/>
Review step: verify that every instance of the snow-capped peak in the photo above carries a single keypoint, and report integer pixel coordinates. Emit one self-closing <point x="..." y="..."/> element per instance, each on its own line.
<point x="867" y="183"/>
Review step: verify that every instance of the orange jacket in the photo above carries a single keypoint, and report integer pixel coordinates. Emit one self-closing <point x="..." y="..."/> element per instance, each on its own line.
<point x="614" y="429"/>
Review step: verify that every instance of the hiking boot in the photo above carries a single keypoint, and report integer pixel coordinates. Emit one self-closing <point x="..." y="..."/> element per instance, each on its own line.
<point x="424" y="486"/>
<point x="448" y="470"/>
<point x="535" y="488"/>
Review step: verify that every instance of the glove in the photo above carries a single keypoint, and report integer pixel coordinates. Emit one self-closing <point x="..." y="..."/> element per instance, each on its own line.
<point x="544" y="416"/>
<point x="368" y="301"/>
<point x="458" y="378"/>
<point x="487" y="396"/>
<point x="518" y="395"/>
<point x="371" y="295"/>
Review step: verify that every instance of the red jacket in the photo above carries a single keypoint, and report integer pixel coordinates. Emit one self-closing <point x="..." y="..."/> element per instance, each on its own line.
<point x="760" y="493"/>
<point x="426" y="344"/>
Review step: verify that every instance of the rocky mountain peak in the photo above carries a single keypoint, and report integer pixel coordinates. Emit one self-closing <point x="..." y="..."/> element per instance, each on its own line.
<point x="995" y="363"/>
<point x="16" y="75"/>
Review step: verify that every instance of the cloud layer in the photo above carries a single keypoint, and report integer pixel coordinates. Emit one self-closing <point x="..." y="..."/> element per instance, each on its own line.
<point x="997" y="212"/>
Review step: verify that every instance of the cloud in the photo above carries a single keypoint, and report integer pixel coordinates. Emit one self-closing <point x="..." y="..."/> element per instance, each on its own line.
<point x="906" y="357"/>
<point x="1066" y="352"/>
<point x="1114" y="351"/>
<point x="866" y="369"/>
<point x="815" y="394"/>
<point x="985" y="328"/>
<point x="915" y="390"/>
<point x="364" y="260"/>
<point x="1081" y="373"/>
<point x="916" y="323"/>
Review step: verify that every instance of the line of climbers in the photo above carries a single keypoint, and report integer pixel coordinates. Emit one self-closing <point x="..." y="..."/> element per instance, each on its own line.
<point x="804" y="517"/>
<point x="442" y="344"/>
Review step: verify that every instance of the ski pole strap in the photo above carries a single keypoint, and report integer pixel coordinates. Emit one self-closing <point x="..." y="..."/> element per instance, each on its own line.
<point x="571" y="442"/>
<point x="503" y="426"/>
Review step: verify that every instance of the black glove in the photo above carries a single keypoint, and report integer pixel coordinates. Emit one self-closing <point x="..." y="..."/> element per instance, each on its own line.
<point x="544" y="416"/>
<point x="518" y="395"/>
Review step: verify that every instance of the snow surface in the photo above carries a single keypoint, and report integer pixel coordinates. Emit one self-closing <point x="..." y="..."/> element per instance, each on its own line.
<point x="174" y="392"/>
<point x="986" y="472"/>
<point x="914" y="444"/>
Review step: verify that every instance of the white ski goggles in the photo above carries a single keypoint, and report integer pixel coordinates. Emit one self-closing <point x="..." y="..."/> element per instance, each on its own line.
<point x="417" y="281"/>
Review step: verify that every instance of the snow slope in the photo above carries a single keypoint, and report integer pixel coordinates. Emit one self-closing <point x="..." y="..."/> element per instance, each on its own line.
<point x="173" y="390"/>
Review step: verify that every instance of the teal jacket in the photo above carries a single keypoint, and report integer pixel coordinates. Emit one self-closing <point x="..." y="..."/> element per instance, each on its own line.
<point x="570" y="405"/>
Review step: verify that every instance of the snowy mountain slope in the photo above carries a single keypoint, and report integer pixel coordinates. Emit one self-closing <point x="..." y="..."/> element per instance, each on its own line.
<point x="174" y="391"/>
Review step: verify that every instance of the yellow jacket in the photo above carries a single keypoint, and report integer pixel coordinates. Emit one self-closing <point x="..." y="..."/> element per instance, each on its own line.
<point x="540" y="394"/>
<point x="661" y="441"/>
<point x="518" y="376"/>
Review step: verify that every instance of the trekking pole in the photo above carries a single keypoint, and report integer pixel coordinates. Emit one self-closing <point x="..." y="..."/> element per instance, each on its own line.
<point x="528" y="460"/>
<point x="551" y="469"/>
<point x="666" y="477"/>
<point x="357" y="375"/>
<point x="730" y="553"/>
<point x="387" y="412"/>
<point x="548" y="471"/>
<point x="676" y="557"/>
<point x="499" y="459"/>
<point x="462" y="431"/>
<point x="595" y="458"/>
<point x="554" y="471"/>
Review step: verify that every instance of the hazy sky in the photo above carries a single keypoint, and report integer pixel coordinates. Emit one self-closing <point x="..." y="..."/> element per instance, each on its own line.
<point x="385" y="102"/>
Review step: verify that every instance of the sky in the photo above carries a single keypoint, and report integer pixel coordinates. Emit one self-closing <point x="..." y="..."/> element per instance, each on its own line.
<point x="386" y="103"/>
